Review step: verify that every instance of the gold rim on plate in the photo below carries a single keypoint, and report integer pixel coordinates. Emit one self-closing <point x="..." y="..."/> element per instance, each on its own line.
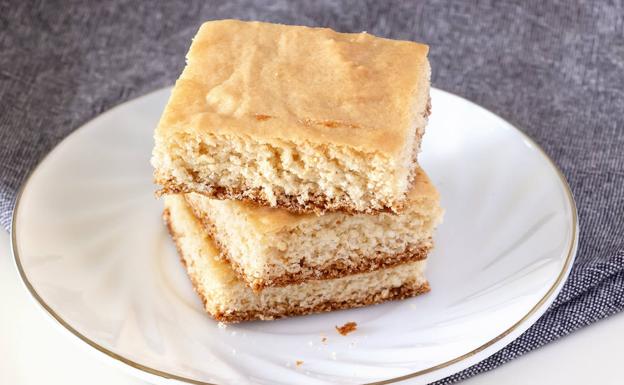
<point x="554" y="289"/>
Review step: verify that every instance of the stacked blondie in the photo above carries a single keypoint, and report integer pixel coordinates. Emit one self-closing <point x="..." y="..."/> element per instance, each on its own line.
<point x="287" y="160"/>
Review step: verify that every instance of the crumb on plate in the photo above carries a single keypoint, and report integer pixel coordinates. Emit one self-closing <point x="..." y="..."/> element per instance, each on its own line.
<point x="347" y="328"/>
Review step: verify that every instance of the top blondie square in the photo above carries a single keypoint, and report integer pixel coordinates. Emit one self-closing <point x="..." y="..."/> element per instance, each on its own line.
<point x="305" y="119"/>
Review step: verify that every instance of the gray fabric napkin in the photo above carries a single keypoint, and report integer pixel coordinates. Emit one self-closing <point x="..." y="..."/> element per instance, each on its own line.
<point x="554" y="68"/>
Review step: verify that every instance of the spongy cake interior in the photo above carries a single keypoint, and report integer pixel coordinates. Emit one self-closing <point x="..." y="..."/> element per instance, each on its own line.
<point x="227" y="298"/>
<point x="273" y="246"/>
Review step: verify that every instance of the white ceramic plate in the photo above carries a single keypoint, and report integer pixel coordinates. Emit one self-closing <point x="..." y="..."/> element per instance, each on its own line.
<point x="90" y="245"/>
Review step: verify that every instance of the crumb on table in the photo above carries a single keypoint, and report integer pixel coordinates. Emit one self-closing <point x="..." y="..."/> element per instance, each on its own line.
<point x="298" y="363"/>
<point x="347" y="328"/>
<point x="324" y="339"/>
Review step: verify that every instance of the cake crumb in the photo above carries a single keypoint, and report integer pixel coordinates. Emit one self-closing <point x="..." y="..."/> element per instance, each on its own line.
<point x="324" y="340"/>
<point x="347" y="328"/>
<point x="298" y="363"/>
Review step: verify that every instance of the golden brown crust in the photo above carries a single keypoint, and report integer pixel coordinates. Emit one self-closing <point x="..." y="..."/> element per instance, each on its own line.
<point x="397" y="293"/>
<point x="318" y="204"/>
<point x="283" y="90"/>
<point x="308" y="272"/>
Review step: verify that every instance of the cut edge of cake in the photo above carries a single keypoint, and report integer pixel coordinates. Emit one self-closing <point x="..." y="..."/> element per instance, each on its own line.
<point x="273" y="247"/>
<point x="227" y="299"/>
<point x="332" y="269"/>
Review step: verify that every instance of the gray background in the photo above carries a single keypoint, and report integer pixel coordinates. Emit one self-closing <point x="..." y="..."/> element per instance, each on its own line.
<point x="555" y="69"/>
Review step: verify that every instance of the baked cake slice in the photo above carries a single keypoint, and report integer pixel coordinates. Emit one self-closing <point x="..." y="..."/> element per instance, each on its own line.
<point x="274" y="247"/>
<point x="229" y="299"/>
<point x="305" y="119"/>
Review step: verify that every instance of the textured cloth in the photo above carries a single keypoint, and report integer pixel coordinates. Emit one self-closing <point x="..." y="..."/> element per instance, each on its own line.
<point x="552" y="68"/>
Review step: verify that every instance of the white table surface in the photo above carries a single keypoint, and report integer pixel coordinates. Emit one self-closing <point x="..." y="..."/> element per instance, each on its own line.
<point x="33" y="349"/>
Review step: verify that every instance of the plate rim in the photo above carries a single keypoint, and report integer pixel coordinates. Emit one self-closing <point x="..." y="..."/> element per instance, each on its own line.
<point x="536" y="310"/>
